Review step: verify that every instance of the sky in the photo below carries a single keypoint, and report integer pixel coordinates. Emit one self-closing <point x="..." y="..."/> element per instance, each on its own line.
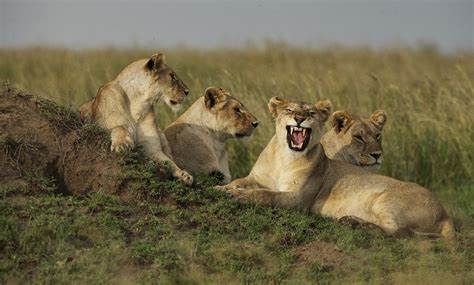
<point x="207" y="24"/>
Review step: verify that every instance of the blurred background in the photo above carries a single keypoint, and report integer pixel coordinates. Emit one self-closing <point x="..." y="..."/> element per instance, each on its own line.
<point x="447" y="24"/>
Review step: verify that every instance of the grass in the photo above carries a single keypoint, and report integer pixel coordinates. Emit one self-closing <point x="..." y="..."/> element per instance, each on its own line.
<point x="177" y="234"/>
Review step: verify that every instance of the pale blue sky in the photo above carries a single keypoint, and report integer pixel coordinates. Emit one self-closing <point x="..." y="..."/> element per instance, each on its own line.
<point x="207" y="24"/>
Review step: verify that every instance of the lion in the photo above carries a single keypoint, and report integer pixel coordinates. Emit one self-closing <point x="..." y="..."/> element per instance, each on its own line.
<point x="125" y="107"/>
<point x="197" y="138"/>
<point x="294" y="172"/>
<point x="356" y="140"/>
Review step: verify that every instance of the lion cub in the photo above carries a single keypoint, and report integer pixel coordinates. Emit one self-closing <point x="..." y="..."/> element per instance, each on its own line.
<point x="197" y="138"/>
<point x="356" y="140"/>
<point x="124" y="106"/>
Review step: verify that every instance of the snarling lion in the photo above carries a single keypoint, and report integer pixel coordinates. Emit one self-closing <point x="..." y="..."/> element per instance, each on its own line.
<point x="294" y="172"/>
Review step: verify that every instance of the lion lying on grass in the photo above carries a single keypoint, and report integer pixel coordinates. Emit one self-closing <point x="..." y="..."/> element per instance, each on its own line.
<point x="356" y="140"/>
<point x="197" y="138"/>
<point x="293" y="172"/>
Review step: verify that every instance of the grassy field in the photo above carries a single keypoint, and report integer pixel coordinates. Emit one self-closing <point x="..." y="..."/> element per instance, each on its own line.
<point x="199" y="235"/>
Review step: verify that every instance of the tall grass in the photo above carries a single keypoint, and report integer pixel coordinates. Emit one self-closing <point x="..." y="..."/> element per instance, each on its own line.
<point x="428" y="97"/>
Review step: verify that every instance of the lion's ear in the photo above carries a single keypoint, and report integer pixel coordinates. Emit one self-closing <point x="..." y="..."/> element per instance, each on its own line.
<point x="156" y="61"/>
<point x="340" y="119"/>
<point x="379" y="118"/>
<point x="324" y="108"/>
<point x="213" y="96"/>
<point x="275" y="105"/>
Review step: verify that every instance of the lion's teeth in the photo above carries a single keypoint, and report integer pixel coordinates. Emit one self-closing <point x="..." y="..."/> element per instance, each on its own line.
<point x="304" y="132"/>
<point x="291" y="130"/>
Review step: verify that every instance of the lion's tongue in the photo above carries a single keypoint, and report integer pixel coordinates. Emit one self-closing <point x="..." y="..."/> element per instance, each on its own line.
<point x="297" y="137"/>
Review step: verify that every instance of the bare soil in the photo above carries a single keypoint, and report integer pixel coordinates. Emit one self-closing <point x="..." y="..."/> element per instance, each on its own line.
<point x="324" y="253"/>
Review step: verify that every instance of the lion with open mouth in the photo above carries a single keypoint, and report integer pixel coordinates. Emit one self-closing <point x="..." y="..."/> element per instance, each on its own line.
<point x="294" y="172"/>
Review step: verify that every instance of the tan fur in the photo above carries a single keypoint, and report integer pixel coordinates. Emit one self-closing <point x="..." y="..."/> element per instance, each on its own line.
<point x="310" y="181"/>
<point x="356" y="140"/>
<point x="197" y="138"/>
<point x="124" y="106"/>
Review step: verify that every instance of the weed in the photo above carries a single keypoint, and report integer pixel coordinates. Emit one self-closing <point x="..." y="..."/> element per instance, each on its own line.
<point x="44" y="184"/>
<point x="93" y="134"/>
<point x="64" y="118"/>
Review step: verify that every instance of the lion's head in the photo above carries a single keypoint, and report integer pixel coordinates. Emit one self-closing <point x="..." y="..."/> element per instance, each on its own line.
<point x="166" y="81"/>
<point x="356" y="140"/>
<point x="299" y="125"/>
<point x="230" y="117"/>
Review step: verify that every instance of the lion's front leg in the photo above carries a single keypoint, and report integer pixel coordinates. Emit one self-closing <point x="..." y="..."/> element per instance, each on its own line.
<point x="260" y="196"/>
<point x="121" y="139"/>
<point x="112" y="113"/>
<point x="165" y="145"/>
<point x="268" y="197"/>
<point x="149" y="137"/>
<point x="241" y="183"/>
<point x="177" y="172"/>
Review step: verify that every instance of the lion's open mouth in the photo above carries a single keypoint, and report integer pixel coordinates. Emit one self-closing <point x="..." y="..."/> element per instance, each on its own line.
<point x="297" y="137"/>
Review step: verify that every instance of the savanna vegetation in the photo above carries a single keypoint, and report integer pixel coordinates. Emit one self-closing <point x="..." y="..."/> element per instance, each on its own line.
<point x="165" y="232"/>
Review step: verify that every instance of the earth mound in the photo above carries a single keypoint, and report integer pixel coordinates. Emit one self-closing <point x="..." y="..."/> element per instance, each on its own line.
<point x="41" y="139"/>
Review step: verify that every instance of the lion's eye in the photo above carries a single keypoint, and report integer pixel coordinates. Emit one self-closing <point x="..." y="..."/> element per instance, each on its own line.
<point x="238" y="111"/>
<point x="288" y="110"/>
<point x="312" y="113"/>
<point x="358" y="138"/>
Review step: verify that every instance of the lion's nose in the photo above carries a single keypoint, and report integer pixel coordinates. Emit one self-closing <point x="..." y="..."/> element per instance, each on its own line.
<point x="186" y="92"/>
<point x="255" y="124"/>
<point x="299" y="119"/>
<point x="376" y="155"/>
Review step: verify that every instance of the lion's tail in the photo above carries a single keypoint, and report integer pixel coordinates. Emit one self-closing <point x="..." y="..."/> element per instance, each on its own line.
<point x="447" y="231"/>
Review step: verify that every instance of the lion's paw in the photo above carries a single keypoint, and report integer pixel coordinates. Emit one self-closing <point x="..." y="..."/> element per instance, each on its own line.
<point x="122" y="145"/>
<point x="220" y="187"/>
<point x="226" y="187"/>
<point x="240" y="194"/>
<point x="184" y="177"/>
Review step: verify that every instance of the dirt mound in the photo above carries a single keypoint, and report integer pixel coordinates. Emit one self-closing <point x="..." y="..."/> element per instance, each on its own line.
<point x="41" y="139"/>
<point x="319" y="252"/>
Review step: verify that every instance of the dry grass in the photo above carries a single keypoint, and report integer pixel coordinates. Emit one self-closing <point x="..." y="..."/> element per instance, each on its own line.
<point x="429" y="98"/>
<point x="428" y="139"/>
